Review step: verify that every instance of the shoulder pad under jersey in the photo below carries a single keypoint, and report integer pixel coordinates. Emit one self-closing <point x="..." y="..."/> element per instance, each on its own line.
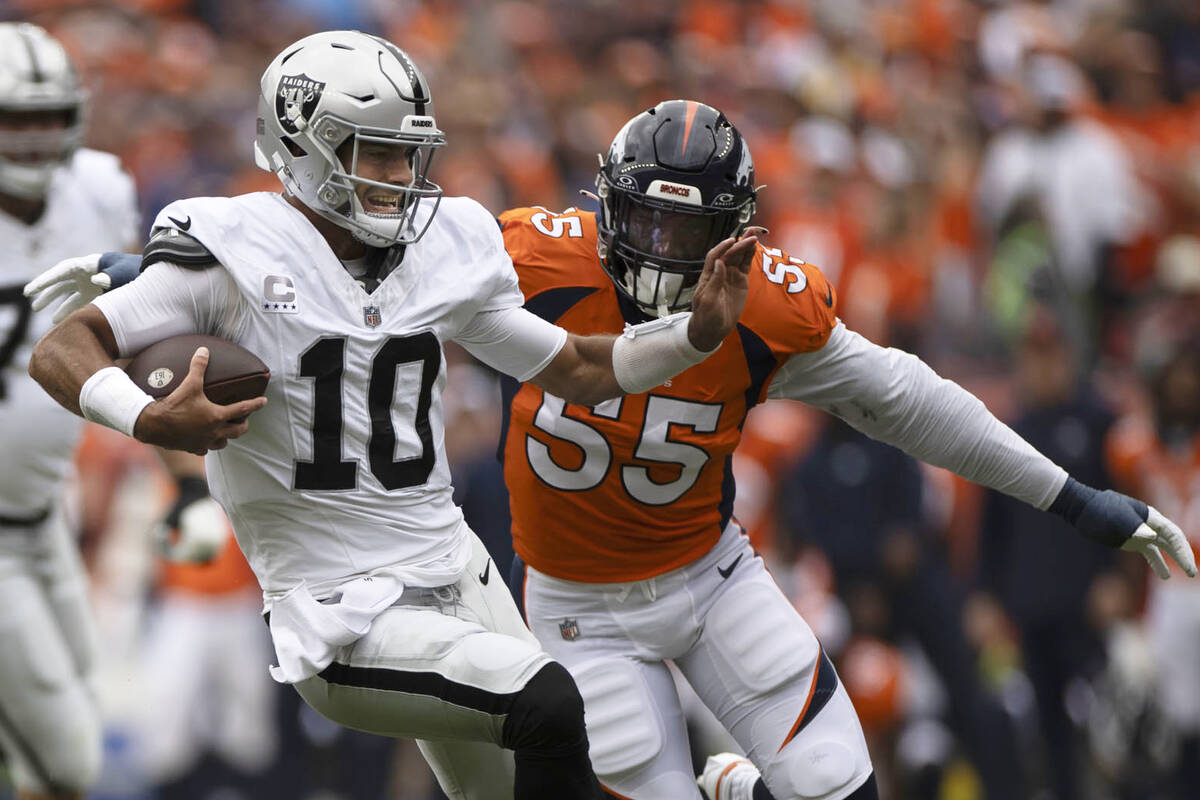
<point x="177" y="247"/>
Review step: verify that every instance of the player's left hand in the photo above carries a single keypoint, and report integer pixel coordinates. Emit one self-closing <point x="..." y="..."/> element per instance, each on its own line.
<point x="1120" y="520"/>
<point x="721" y="291"/>
<point x="81" y="280"/>
<point x="1156" y="535"/>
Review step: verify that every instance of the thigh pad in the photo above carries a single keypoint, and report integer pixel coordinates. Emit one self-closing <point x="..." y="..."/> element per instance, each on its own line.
<point x="757" y="638"/>
<point x="624" y="731"/>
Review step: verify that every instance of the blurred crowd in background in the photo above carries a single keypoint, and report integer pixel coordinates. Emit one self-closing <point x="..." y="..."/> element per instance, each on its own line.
<point x="1009" y="189"/>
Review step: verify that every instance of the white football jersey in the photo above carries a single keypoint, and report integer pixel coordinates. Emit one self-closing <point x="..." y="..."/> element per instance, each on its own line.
<point x="90" y="208"/>
<point x="343" y="473"/>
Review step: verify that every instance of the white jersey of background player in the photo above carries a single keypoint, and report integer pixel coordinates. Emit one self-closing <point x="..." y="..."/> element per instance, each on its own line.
<point x="383" y="608"/>
<point x="55" y="200"/>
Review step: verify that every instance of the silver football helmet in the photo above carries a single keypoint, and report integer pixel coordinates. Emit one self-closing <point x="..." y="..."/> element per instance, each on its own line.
<point x="41" y="109"/>
<point x="326" y="98"/>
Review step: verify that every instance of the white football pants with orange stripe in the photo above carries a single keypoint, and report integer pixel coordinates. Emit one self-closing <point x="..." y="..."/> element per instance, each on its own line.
<point x="741" y="645"/>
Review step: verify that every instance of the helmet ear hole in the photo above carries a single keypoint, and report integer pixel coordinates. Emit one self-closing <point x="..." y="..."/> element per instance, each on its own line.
<point x="292" y="147"/>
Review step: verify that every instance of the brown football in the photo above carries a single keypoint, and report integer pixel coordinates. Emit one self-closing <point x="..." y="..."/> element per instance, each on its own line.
<point x="233" y="374"/>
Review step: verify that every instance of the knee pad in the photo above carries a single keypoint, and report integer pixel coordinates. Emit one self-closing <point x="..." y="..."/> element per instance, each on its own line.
<point x="828" y="754"/>
<point x="623" y="730"/>
<point x="546" y="717"/>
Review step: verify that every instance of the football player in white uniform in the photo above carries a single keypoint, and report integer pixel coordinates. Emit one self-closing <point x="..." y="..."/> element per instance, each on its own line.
<point x="55" y="199"/>
<point x="385" y="610"/>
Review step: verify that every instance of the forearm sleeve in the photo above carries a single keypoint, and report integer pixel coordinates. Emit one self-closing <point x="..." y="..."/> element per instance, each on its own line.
<point x="893" y="396"/>
<point x="513" y="341"/>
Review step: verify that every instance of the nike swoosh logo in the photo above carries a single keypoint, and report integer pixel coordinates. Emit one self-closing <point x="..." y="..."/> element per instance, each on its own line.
<point x="727" y="571"/>
<point x="487" y="571"/>
<point x="183" y="226"/>
<point x="829" y="295"/>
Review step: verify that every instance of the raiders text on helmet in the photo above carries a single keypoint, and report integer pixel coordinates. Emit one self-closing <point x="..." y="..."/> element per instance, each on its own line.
<point x="336" y="87"/>
<point x="41" y="109"/>
<point x="678" y="179"/>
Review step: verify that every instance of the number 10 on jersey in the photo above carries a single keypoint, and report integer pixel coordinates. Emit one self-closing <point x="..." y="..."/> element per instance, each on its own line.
<point x="325" y="363"/>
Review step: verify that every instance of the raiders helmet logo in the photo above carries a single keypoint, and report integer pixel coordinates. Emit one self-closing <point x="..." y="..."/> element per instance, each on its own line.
<point x="296" y="100"/>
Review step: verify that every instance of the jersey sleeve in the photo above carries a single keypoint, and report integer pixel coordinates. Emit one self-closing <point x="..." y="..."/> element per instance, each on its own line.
<point x="168" y="300"/>
<point x="501" y="288"/>
<point x="513" y="341"/>
<point x="792" y="306"/>
<point x="552" y="250"/>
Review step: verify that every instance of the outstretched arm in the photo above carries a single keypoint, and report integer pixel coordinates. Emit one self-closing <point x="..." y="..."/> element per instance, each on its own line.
<point x="893" y="396"/>
<point x="591" y="369"/>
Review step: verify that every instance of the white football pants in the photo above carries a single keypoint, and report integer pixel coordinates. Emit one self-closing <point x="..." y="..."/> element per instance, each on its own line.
<point x="50" y="726"/>
<point x="740" y="644"/>
<point x="441" y="666"/>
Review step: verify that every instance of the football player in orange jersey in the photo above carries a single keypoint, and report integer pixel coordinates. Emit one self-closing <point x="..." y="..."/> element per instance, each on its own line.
<point x="629" y="555"/>
<point x="622" y="513"/>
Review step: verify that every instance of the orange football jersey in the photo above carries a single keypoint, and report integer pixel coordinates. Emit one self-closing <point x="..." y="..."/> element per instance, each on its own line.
<point x="642" y="484"/>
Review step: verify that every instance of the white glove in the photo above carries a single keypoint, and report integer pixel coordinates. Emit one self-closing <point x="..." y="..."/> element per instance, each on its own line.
<point x="1157" y="534"/>
<point x="80" y="279"/>
<point x="199" y="536"/>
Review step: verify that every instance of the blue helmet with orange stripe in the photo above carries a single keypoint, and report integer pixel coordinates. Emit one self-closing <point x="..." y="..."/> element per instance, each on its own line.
<point x="677" y="180"/>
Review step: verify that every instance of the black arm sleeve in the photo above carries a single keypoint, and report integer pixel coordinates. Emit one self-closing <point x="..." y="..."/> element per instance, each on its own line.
<point x="177" y="247"/>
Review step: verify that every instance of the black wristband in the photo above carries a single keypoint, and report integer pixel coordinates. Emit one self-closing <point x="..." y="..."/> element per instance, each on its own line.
<point x="191" y="489"/>
<point x="1106" y="516"/>
<point x="1071" y="499"/>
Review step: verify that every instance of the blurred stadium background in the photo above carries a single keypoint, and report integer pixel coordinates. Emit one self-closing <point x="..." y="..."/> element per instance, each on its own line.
<point x="1009" y="189"/>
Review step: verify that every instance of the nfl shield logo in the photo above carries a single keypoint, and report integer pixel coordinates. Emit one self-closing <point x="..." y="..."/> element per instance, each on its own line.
<point x="371" y="316"/>
<point x="569" y="628"/>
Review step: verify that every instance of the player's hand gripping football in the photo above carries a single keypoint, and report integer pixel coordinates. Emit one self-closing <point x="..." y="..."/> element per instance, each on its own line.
<point x="187" y="420"/>
<point x="721" y="291"/>
<point x="81" y="280"/>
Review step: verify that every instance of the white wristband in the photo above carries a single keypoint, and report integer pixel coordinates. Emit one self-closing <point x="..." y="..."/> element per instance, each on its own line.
<point x="110" y="397"/>
<point x="645" y="355"/>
